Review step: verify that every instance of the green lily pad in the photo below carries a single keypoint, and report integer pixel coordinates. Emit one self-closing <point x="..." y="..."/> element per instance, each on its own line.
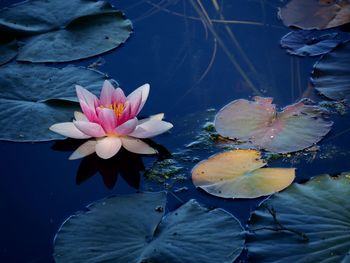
<point x="305" y="223"/>
<point x="331" y="74"/>
<point x="132" y="229"/>
<point x="61" y="31"/>
<point x="34" y="97"/>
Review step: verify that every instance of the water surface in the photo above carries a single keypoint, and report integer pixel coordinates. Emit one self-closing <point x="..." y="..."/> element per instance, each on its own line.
<point x="191" y="65"/>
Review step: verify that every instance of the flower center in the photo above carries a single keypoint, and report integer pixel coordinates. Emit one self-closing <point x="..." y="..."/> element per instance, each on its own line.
<point x="118" y="109"/>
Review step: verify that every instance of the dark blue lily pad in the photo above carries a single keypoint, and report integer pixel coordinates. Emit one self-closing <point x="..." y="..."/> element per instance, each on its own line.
<point x="61" y="31"/>
<point x="306" y="223"/>
<point x="132" y="229"/>
<point x="34" y="97"/>
<point x="8" y="51"/>
<point x="309" y="43"/>
<point x="331" y="74"/>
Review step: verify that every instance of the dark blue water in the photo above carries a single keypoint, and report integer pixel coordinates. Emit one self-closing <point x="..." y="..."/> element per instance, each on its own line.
<point x="191" y="66"/>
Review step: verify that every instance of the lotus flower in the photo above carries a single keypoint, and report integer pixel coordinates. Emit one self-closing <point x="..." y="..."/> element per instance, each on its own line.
<point x="112" y="122"/>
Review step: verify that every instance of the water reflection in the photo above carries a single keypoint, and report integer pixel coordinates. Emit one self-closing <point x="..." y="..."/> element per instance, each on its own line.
<point x="126" y="164"/>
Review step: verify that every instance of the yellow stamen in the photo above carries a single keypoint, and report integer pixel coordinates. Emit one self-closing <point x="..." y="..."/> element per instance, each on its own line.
<point x="117" y="108"/>
<point x="108" y="107"/>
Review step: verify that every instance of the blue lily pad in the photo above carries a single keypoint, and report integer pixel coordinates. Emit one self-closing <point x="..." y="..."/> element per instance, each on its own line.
<point x="331" y="74"/>
<point x="132" y="229"/>
<point x="8" y="51"/>
<point x="306" y="223"/>
<point x="309" y="43"/>
<point x="61" y="31"/>
<point x="34" y="97"/>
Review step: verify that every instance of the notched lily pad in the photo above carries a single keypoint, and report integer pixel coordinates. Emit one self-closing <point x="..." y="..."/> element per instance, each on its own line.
<point x="132" y="229"/>
<point x="33" y="97"/>
<point x="331" y="74"/>
<point x="309" y="43"/>
<point x="316" y="14"/>
<point x="239" y="174"/>
<point x="305" y="223"/>
<point x="296" y="127"/>
<point x="78" y="29"/>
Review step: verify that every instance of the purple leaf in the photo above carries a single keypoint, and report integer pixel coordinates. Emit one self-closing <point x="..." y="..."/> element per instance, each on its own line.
<point x="297" y="127"/>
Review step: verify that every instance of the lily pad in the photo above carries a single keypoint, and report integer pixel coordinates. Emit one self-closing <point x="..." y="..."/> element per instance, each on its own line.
<point x="309" y="43"/>
<point x="132" y="229"/>
<point x="316" y="14"/>
<point x="305" y="223"/>
<point x="239" y="174"/>
<point x="78" y="29"/>
<point x="33" y="97"/>
<point x="331" y="74"/>
<point x="296" y="127"/>
<point x="8" y="51"/>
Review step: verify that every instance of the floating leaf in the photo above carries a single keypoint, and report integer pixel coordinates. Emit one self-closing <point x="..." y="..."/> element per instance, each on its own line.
<point x="316" y="14"/>
<point x="8" y="51"/>
<point x="33" y="97"/>
<point x="306" y="223"/>
<point x="297" y="127"/>
<point x="78" y="29"/>
<point x="132" y="229"/>
<point x="239" y="174"/>
<point x="309" y="43"/>
<point x="331" y="74"/>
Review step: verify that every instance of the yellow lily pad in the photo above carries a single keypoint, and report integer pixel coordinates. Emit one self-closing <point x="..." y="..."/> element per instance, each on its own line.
<point x="239" y="174"/>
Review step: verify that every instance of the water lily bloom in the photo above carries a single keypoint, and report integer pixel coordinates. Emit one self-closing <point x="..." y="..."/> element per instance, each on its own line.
<point x="112" y="122"/>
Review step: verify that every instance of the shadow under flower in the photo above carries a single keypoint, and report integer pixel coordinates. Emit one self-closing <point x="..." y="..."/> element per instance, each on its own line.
<point x="126" y="164"/>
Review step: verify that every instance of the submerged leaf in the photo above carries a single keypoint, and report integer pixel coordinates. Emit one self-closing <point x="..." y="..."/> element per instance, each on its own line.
<point x="309" y="43"/>
<point x="33" y="97"/>
<point x="306" y="223"/>
<point x="331" y="74"/>
<point x="132" y="229"/>
<point x="295" y="128"/>
<point x="239" y="174"/>
<point x="316" y="14"/>
<point x="78" y="29"/>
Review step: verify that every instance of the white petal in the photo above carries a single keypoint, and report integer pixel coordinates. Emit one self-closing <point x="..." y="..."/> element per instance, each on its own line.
<point x="83" y="150"/>
<point x="151" y="128"/>
<point x="107" y="147"/>
<point x="144" y="89"/>
<point x="86" y="96"/>
<point x="157" y="117"/>
<point x="79" y="116"/>
<point x="68" y="129"/>
<point x="90" y="128"/>
<point x="127" y="127"/>
<point x="137" y="146"/>
<point x="106" y="93"/>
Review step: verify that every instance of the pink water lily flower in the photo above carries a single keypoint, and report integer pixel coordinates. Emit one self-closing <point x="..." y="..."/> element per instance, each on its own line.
<point x="112" y="122"/>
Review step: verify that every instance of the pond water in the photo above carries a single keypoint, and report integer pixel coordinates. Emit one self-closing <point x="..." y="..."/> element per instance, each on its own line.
<point x="192" y="66"/>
